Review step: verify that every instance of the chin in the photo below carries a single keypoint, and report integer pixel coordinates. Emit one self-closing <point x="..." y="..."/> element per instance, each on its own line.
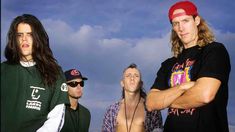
<point x="76" y="97"/>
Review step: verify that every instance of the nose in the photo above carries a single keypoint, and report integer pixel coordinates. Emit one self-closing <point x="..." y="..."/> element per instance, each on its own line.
<point x="180" y="26"/>
<point x="24" y="37"/>
<point x="132" y="78"/>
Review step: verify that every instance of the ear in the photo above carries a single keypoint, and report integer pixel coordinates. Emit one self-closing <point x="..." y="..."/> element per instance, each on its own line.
<point x="122" y="83"/>
<point x="197" y="20"/>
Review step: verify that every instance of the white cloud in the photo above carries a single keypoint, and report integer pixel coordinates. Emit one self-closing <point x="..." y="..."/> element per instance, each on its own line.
<point x="58" y="31"/>
<point x="94" y="40"/>
<point x="231" y="128"/>
<point x="87" y="34"/>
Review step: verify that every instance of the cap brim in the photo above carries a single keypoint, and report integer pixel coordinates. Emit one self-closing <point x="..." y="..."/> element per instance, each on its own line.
<point x="84" y="78"/>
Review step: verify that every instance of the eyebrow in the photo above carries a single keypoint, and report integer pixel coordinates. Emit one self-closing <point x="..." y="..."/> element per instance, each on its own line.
<point x="23" y="32"/>
<point x="187" y="18"/>
<point x="132" y="73"/>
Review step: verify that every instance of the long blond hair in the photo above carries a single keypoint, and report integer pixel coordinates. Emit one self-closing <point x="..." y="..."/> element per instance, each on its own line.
<point x="205" y="36"/>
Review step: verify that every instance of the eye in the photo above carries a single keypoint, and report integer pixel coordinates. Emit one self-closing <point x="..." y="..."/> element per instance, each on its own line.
<point x="137" y="75"/>
<point x="29" y="34"/>
<point x="127" y="75"/>
<point x="19" y="35"/>
<point x="174" y="24"/>
<point x="185" y="20"/>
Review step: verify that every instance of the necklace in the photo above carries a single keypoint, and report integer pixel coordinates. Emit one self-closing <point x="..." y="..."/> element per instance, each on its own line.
<point x="128" y="130"/>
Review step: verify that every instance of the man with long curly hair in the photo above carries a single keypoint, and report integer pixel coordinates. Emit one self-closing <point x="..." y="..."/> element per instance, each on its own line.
<point x="193" y="84"/>
<point x="33" y="88"/>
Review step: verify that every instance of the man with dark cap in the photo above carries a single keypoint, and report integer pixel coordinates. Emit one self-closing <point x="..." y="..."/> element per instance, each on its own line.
<point x="77" y="117"/>
<point x="193" y="84"/>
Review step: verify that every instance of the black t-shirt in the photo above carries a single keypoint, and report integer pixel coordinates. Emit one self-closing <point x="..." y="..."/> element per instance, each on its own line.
<point x="76" y="120"/>
<point x="211" y="60"/>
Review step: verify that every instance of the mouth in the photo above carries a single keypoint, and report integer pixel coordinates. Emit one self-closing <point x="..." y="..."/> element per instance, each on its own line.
<point x="183" y="35"/>
<point x="25" y="45"/>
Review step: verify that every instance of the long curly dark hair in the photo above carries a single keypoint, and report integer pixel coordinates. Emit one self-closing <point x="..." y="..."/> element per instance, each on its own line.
<point x="41" y="52"/>
<point x="141" y="84"/>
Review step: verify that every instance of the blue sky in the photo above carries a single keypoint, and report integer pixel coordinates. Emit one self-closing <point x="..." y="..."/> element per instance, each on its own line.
<point x="102" y="37"/>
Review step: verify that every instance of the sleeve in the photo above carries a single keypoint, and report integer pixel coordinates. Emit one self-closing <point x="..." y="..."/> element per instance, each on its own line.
<point x="55" y="120"/>
<point x="108" y="121"/>
<point x="161" y="82"/>
<point x="55" y="117"/>
<point x="153" y="121"/>
<point x="215" y="63"/>
<point x="60" y="95"/>
<point x="107" y="126"/>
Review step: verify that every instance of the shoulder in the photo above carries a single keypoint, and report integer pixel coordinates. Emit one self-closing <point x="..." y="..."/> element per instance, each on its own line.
<point x="215" y="46"/>
<point x="83" y="108"/>
<point x="167" y="64"/>
<point x="113" y="107"/>
<point x="215" y="49"/>
<point x="3" y="65"/>
<point x="7" y="66"/>
<point x="169" y="61"/>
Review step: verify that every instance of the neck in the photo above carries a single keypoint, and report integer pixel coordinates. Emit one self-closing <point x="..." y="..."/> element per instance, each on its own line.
<point x="26" y="59"/>
<point x="132" y="99"/>
<point x="73" y="103"/>
<point x="189" y="46"/>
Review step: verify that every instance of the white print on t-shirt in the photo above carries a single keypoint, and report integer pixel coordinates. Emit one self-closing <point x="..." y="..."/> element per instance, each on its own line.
<point x="34" y="103"/>
<point x="64" y="87"/>
<point x="178" y="112"/>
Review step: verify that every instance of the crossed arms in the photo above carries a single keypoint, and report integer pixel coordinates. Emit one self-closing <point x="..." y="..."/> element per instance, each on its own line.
<point x="184" y="96"/>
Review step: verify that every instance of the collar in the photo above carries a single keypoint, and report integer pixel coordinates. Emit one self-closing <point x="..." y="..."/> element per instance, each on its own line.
<point x="27" y="63"/>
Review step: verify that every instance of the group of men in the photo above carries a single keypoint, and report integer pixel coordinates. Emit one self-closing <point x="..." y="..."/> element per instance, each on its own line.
<point x="36" y="95"/>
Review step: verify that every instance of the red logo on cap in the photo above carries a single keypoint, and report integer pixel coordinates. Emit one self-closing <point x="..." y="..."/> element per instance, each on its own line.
<point x="74" y="72"/>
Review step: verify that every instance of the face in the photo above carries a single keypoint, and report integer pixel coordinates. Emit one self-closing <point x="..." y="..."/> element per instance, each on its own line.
<point x="75" y="91"/>
<point x="131" y="80"/>
<point x="186" y="28"/>
<point x="25" y="41"/>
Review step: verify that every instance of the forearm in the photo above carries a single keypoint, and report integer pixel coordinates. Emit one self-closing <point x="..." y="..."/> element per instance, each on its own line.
<point x="157" y="100"/>
<point x="188" y="100"/>
<point x="202" y="93"/>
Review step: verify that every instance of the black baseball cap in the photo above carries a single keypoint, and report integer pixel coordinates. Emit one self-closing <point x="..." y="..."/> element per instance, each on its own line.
<point x="73" y="74"/>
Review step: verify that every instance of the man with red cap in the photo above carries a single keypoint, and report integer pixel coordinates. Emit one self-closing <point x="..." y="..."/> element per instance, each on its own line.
<point x="193" y="83"/>
<point x="77" y="117"/>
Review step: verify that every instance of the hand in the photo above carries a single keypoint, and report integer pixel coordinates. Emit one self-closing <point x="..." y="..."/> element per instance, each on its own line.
<point x="186" y="85"/>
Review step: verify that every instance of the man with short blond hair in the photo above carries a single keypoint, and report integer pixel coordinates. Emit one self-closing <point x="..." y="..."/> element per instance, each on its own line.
<point x="130" y="114"/>
<point x="193" y="84"/>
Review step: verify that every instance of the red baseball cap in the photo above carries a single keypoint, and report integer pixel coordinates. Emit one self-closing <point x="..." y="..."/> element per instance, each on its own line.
<point x="187" y="6"/>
